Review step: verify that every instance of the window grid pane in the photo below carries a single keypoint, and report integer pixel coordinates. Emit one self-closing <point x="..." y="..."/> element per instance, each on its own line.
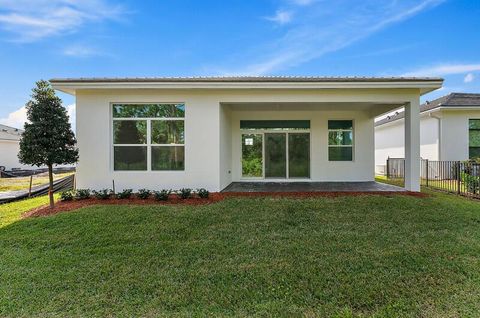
<point x="168" y="132"/>
<point x="130" y="132"/>
<point x="168" y="158"/>
<point x="340" y="140"/>
<point x="148" y="110"/>
<point x="130" y="158"/>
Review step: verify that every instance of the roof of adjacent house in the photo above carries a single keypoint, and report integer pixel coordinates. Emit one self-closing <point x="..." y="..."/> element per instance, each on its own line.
<point x="71" y="85"/>
<point x="451" y="100"/>
<point x="10" y="133"/>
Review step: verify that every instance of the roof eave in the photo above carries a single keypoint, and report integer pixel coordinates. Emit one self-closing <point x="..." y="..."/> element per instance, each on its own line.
<point x="70" y="87"/>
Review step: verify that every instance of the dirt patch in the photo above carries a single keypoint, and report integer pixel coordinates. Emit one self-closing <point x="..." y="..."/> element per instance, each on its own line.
<point x="65" y="206"/>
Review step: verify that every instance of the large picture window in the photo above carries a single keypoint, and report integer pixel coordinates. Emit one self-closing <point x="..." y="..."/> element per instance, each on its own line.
<point x="474" y="138"/>
<point x="340" y="140"/>
<point x="148" y="137"/>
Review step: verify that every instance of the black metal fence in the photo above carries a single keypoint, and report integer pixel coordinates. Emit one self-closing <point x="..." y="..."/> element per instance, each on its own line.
<point x="459" y="177"/>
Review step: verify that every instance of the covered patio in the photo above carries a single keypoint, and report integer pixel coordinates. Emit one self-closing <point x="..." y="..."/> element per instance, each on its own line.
<point x="368" y="186"/>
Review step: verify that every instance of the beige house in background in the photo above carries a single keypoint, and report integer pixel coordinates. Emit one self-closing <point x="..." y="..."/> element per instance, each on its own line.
<point x="211" y="131"/>
<point x="449" y="131"/>
<point x="9" y="147"/>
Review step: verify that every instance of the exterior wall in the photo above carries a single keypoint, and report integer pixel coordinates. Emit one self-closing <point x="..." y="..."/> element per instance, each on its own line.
<point x="454" y="131"/>
<point x="360" y="169"/>
<point x="390" y="141"/>
<point x="225" y="146"/>
<point x="94" y="134"/>
<point x="8" y="154"/>
<point x="212" y="140"/>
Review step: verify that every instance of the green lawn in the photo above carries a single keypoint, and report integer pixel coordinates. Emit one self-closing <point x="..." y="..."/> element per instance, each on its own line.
<point x="395" y="256"/>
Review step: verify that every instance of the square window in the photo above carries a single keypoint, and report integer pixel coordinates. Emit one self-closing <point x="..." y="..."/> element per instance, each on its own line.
<point x="168" y="157"/>
<point x="168" y="132"/>
<point x="340" y="153"/>
<point x="129" y="132"/>
<point x="130" y="158"/>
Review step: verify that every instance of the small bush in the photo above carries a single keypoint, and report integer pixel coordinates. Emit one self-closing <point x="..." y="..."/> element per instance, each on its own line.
<point x="144" y="194"/>
<point x="125" y="194"/>
<point x="162" y="195"/>
<point x="66" y="195"/>
<point x="203" y="193"/>
<point x="82" y="194"/>
<point x="103" y="194"/>
<point x="184" y="193"/>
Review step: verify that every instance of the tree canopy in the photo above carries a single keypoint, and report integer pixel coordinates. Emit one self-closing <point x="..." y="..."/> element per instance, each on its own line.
<point x="48" y="138"/>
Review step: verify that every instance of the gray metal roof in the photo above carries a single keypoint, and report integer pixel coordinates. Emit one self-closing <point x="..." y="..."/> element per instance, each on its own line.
<point x="451" y="100"/>
<point x="10" y="133"/>
<point x="232" y="79"/>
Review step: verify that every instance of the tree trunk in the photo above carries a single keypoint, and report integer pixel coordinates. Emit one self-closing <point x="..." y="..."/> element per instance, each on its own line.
<point x="50" y="187"/>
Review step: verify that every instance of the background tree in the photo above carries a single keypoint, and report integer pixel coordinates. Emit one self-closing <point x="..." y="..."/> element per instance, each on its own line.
<point x="48" y="138"/>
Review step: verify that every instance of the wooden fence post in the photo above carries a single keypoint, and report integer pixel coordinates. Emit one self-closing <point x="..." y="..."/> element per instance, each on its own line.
<point x="426" y="171"/>
<point x="30" y="187"/>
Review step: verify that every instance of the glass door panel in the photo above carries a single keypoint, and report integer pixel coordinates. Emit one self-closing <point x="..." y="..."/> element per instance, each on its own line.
<point x="275" y="155"/>
<point x="299" y="155"/>
<point x="252" y="159"/>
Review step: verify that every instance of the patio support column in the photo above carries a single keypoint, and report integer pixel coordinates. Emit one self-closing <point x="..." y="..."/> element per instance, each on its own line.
<point x="412" y="146"/>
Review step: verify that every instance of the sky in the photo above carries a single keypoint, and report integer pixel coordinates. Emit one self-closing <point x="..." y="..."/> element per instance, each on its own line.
<point x="44" y="39"/>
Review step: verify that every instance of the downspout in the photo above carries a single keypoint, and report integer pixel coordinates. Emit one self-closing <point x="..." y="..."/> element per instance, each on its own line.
<point x="439" y="145"/>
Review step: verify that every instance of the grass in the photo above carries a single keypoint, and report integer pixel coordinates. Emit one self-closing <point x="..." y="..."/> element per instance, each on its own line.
<point x="445" y="185"/>
<point x="11" y="212"/>
<point x="22" y="183"/>
<point x="378" y="256"/>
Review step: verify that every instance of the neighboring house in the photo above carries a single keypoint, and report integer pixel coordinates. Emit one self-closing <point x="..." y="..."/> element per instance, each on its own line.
<point x="449" y="130"/>
<point x="209" y="132"/>
<point x="9" y="147"/>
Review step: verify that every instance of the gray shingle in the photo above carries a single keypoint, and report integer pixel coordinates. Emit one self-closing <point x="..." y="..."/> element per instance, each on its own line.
<point x="451" y="100"/>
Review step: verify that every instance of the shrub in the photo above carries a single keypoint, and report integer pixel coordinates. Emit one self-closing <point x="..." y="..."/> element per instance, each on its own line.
<point x="144" y="194"/>
<point x="103" y="194"/>
<point x="125" y="194"/>
<point x="184" y="193"/>
<point x="203" y="193"/>
<point x="66" y="195"/>
<point x="82" y="194"/>
<point x="162" y="195"/>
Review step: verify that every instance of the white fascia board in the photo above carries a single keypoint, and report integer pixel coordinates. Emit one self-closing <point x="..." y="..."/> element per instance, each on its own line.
<point x="72" y="87"/>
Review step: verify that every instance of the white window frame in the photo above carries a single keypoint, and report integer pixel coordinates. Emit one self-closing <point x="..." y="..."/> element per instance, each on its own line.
<point x="149" y="143"/>
<point x="341" y="146"/>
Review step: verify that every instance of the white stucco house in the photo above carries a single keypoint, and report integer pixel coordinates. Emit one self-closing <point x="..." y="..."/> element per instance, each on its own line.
<point x="211" y="131"/>
<point x="449" y="131"/>
<point x="9" y="147"/>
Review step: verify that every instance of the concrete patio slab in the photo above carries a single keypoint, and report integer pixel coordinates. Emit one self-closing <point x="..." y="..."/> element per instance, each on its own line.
<point x="370" y="186"/>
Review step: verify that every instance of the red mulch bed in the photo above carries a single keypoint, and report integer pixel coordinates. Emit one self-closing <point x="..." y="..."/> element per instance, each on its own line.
<point x="64" y="206"/>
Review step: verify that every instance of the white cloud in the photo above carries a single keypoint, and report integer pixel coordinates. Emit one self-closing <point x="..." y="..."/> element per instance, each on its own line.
<point x="15" y="119"/>
<point x="469" y="78"/>
<point x="31" y="20"/>
<point x="18" y="118"/>
<point x="444" y="69"/>
<point x="81" y="51"/>
<point x="322" y="29"/>
<point x="302" y="2"/>
<point x="281" y="17"/>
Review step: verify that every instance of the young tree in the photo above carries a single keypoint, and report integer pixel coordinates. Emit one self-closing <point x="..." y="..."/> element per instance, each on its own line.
<point x="48" y="138"/>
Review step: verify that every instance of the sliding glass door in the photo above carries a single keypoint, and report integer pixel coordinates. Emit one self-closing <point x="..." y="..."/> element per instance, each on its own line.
<point x="299" y="155"/>
<point x="276" y="155"/>
<point x="252" y="155"/>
